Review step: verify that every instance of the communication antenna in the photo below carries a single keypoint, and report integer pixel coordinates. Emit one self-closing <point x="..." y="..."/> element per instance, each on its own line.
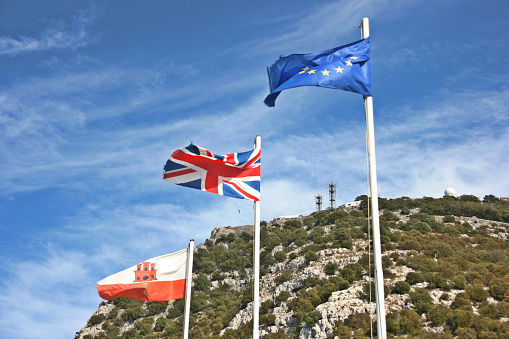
<point x="318" y="199"/>
<point x="332" y="195"/>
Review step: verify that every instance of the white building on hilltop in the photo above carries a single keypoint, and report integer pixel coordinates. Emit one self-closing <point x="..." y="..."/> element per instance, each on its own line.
<point x="450" y="192"/>
<point x="351" y="204"/>
<point x="282" y="218"/>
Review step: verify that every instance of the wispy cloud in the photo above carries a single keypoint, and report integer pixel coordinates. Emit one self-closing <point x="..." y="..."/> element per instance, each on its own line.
<point x="453" y="142"/>
<point x="95" y="135"/>
<point x="40" y="295"/>
<point x="56" y="37"/>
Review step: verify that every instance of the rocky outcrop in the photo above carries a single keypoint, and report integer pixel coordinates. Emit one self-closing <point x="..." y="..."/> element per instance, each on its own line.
<point x="339" y="306"/>
<point x="218" y="232"/>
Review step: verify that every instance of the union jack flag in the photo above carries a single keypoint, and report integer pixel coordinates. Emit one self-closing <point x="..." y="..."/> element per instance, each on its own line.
<point x="235" y="175"/>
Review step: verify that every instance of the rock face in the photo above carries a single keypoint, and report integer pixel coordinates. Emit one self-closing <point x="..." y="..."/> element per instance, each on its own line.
<point x="219" y="232"/>
<point x="341" y="304"/>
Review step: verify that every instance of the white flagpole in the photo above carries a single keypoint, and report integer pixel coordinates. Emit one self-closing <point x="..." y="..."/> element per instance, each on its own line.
<point x="189" y="278"/>
<point x="379" y="278"/>
<point x="256" y="259"/>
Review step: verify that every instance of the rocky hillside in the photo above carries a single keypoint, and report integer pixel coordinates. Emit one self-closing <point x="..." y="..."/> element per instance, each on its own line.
<point x="446" y="270"/>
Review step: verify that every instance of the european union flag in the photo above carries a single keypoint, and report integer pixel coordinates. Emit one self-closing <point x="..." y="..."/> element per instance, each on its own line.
<point x="346" y="68"/>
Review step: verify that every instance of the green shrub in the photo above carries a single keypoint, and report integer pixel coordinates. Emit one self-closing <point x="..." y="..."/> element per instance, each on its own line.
<point x="422" y="227"/>
<point x="311" y="256"/>
<point x="126" y="303"/>
<point x="160" y="324"/>
<point x="448" y="218"/>
<point x="283" y="296"/>
<point x="389" y="216"/>
<point x="401" y="287"/>
<point x="421" y="300"/>
<point x="460" y="318"/>
<point x="348" y="244"/>
<point x="172" y="330"/>
<point x="499" y="287"/>
<point x="359" y="321"/>
<point x="131" y="314"/>
<point x="403" y="322"/>
<point x="96" y="319"/>
<point x="493" y="256"/>
<point x="266" y="306"/>
<point x="177" y="309"/>
<point x="410" y="245"/>
<point x="487" y="309"/>
<point x="156" y="307"/>
<point x="437" y="281"/>
<point x="386" y="261"/>
<point x="201" y="282"/>
<point x="477" y="292"/>
<point x="280" y="334"/>
<point x="458" y="282"/>
<point x="312" y="318"/>
<point x="451" y="230"/>
<point x="392" y="321"/>
<point x="395" y="236"/>
<point x="438" y="314"/>
<point x="341" y="330"/>
<point x="466" y="333"/>
<point x="113" y="313"/>
<point x="217" y="275"/>
<point x="331" y="268"/>
<point x="268" y="319"/>
<point x="284" y="276"/>
<point x="414" y="278"/>
<point x="301" y="307"/>
<point x="132" y="333"/>
<point x="462" y="300"/>
<point x="332" y="285"/>
<point x="280" y="256"/>
<point x="442" y="249"/>
<point x="343" y="237"/>
<point x="444" y="296"/>
<point x="144" y="326"/>
<point x="352" y="272"/>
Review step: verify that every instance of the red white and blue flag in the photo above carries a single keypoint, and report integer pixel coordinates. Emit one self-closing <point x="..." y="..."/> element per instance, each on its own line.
<point x="235" y="175"/>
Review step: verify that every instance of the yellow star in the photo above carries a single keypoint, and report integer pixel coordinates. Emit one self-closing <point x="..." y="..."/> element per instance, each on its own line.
<point x="339" y="69"/>
<point x="349" y="63"/>
<point x="312" y="71"/>
<point x="304" y="70"/>
<point x="355" y="58"/>
<point x="325" y="72"/>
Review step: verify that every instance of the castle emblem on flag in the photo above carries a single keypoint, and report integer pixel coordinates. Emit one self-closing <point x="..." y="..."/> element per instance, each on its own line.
<point x="145" y="271"/>
<point x="155" y="279"/>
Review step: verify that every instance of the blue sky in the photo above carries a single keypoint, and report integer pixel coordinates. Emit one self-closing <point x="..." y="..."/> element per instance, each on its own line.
<point x="95" y="96"/>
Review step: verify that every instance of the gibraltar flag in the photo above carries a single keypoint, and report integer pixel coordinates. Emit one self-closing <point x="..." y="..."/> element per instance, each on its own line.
<point x="156" y="279"/>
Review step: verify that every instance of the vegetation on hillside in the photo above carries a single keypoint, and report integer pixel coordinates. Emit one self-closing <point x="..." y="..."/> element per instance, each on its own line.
<point x="456" y="252"/>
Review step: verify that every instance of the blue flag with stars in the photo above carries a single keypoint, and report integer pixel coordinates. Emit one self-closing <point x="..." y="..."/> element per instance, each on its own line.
<point x="346" y="67"/>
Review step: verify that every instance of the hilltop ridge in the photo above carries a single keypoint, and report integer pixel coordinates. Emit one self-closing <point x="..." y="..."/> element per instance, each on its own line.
<point x="446" y="271"/>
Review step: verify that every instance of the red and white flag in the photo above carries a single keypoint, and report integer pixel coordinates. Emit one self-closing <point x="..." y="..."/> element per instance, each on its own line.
<point x="157" y="279"/>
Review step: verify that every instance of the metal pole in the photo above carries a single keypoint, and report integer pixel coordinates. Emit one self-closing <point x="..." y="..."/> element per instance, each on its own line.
<point x="256" y="259"/>
<point x="379" y="278"/>
<point x="189" y="278"/>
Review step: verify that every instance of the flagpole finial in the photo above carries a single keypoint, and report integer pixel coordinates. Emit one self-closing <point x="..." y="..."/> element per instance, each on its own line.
<point x="365" y="28"/>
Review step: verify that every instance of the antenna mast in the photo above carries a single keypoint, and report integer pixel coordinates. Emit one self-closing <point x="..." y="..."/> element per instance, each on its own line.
<point x="332" y="195"/>
<point x="318" y="199"/>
